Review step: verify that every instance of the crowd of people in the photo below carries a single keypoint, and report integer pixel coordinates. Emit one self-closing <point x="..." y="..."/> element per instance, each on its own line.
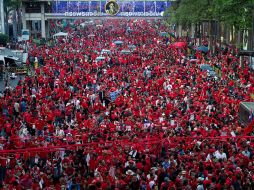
<point x="145" y="119"/>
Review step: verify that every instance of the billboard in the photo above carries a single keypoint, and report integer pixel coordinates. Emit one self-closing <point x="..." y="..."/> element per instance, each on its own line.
<point x="98" y="8"/>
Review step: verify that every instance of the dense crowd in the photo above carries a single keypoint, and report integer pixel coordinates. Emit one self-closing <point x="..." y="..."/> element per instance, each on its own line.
<point x="141" y="120"/>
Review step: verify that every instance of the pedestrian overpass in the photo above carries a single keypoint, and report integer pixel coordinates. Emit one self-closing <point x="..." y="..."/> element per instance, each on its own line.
<point x="40" y="14"/>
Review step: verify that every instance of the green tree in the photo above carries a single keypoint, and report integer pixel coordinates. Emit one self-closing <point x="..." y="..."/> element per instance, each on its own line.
<point x="235" y="14"/>
<point x="189" y="11"/>
<point x="3" y="39"/>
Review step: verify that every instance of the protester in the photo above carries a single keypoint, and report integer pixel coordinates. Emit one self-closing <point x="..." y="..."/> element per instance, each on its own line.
<point x="150" y="119"/>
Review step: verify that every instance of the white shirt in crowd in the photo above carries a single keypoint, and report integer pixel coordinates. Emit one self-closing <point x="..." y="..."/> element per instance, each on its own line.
<point x="155" y="177"/>
<point x="209" y="109"/>
<point x="77" y="104"/>
<point x="220" y="155"/>
<point x="16" y="106"/>
<point x="60" y="132"/>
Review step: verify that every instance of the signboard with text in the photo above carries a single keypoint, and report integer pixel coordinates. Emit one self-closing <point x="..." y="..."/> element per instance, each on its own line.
<point x="97" y="8"/>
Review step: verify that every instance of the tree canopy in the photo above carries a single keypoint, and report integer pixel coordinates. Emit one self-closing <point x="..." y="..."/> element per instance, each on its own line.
<point x="237" y="13"/>
<point x="12" y="4"/>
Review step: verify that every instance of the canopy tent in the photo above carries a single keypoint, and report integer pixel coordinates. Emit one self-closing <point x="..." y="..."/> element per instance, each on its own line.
<point x="11" y="60"/>
<point x="246" y="53"/>
<point x="60" y="34"/>
<point x="11" y="57"/>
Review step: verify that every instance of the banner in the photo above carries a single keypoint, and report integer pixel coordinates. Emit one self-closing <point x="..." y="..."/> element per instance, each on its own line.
<point x="98" y="14"/>
<point x="98" y="8"/>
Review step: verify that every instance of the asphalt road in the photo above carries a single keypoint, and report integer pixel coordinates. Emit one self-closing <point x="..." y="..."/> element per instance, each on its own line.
<point x="13" y="83"/>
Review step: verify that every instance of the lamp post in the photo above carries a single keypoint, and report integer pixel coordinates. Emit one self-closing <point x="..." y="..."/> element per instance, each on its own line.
<point x="6" y="75"/>
<point x="252" y="43"/>
<point x="2" y="24"/>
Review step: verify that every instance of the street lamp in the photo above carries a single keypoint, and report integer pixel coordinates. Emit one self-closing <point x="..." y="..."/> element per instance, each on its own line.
<point x="6" y="74"/>
<point x="2" y="30"/>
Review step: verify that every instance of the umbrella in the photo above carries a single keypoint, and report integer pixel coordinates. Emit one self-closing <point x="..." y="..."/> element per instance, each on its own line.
<point x="105" y="51"/>
<point x="61" y="34"/>
<point x="180" y="44"/>
<point x="125" y="51"/>
<point x="208" y="68"/>
<point x="91" y="35"/>
<point x="203" y="49"/>
<point x="132" y="47"/>
<point x="163" y="34"/>
<point x="118" y="42"/>
<point x="172" y="34"/>
<point x="99" y="58"/>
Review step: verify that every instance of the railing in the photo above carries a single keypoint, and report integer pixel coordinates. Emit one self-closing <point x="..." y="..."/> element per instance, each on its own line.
<point x="20" y="70"/>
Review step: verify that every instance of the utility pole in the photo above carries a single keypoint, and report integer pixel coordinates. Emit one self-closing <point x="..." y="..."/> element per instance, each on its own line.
<point x="252" y="41"/>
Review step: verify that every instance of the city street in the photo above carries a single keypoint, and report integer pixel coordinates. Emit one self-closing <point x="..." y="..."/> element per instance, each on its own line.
<point x="13" y="82"/>
<point x="130" y="95"/>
